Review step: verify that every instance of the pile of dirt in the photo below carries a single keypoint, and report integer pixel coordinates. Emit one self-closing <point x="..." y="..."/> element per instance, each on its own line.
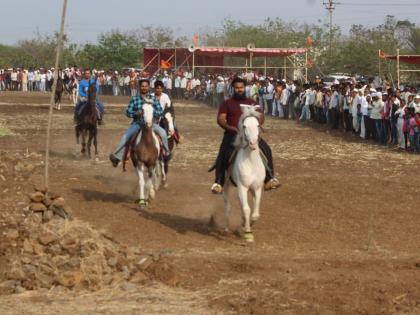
<point x="46" y="249"/>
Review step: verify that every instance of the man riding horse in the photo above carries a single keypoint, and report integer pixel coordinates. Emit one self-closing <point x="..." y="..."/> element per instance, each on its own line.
<point x="83" y="96"/>
<point x="134" y="111"/>
<point x="228" y="119"/>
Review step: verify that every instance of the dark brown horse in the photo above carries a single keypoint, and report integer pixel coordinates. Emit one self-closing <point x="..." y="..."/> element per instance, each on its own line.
<point x="87" y="122"/>
<point x="58" y="93"/>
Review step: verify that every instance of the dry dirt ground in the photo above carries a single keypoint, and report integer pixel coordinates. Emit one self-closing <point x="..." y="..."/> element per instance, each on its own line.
<point x="310" y="254"/>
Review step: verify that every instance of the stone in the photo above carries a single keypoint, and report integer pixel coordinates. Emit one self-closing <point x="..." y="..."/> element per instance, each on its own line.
<point x="38" y="248"/>
<point x="144" y="262"/>
<point x="47" y="237"/>
<point x="37" y="197"/>
<point x="27" y="246"/>
<point x="26" y="259"/>
<point x="53" y="195"/>
<point x="29" y="269"/>
<point x="45" y="280"/>
<point x="59" y="202"/>
<point x="127" y="286"/>
<point x="55" y="249"/>
<point x="19" y="289"/>
<point x="112" y="262"/>
<point x="41" y="188"/>
<point x="139" y="278"/>
<point x="71" y="264"/>
<point x="70" y="244"/>
<point x="70" y="279"/>
<point x="47" y="215"/>
<point x="16" y="273"/>
<point x="47" y="202"/>
<point x="60" y="211"/>
<point x="37" y="207"/>
<point x="12" y="234"/>
<point x="7" y="287"/>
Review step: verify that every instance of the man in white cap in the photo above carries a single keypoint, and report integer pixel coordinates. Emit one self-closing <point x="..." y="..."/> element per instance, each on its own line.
<point x="416" y="103"/>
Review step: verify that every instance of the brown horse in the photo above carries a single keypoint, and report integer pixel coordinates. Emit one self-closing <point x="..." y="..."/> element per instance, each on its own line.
<point x="58" y="93"/>
<point x="87" y="122"/>
<point x="146" y="158"/>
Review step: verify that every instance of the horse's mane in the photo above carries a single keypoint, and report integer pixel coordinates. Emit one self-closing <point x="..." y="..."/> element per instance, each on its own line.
<point x="247" y="112"/>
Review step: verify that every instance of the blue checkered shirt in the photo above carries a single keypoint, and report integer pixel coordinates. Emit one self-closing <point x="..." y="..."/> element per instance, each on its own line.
<point x="136" y="105"/>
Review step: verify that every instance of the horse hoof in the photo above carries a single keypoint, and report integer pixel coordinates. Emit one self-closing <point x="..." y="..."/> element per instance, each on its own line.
<point x="143" y="204"/>
<point x="249" y="237"/>
<point x="152" y="194"/>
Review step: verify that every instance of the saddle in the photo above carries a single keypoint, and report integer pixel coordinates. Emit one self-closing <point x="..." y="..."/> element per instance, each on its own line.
<point x="129" y="150"/>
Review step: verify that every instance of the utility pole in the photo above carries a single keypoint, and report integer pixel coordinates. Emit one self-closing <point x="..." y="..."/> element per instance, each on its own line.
<point x="330" y="6"/>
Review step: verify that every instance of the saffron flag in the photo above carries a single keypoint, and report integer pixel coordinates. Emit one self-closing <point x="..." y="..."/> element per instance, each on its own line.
<point x="381" y="54"/>
<point x="165" y="64"/>
<point x="309" y="41"/>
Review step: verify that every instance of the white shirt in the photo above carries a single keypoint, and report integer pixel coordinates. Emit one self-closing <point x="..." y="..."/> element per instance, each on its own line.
<point x="310" y="97"/>
<point x="184" y="83"/>
<point x="168" y="84"/>
<point x="164" y="100"/>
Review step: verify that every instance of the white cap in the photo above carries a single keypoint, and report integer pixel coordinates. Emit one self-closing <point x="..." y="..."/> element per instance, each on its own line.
<point x="417" y="96"/>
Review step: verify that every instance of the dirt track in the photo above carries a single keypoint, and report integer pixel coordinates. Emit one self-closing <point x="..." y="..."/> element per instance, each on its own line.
<point x="310" y="252"/>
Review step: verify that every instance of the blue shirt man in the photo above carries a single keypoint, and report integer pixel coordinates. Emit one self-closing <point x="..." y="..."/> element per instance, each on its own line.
<point x="133" y="109"/>
<point x="83" y="96"/>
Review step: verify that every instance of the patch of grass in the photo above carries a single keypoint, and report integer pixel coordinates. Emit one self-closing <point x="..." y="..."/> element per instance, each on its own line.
<point x="4" y="131"/>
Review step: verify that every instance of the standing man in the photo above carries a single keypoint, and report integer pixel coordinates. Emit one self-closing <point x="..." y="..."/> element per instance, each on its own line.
<point x="228" y="119"/>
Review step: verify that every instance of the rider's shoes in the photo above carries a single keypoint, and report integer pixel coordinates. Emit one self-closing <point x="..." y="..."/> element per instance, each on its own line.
<point x="216" y="188"/>
<point x="272" y="184"/>
<point x="114" y="160"/>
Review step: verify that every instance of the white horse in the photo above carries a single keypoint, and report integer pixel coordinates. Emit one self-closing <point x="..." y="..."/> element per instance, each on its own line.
<point x="247" y="171"/>
<point x="149" y="167"/>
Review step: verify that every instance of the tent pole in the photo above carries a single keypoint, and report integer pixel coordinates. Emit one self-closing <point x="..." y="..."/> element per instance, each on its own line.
<point x="306" y="66"/>
<point x="175" y="57"/>
<point x="158" y="60"/>
<point x="193" y="64"/>
<point x="285" y="68"/>
<point x="265" y="66"/>
<point x="398" y="68"/>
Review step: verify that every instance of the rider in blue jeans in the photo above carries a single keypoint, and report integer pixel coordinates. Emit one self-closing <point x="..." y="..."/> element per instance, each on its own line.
<point x="83" y="96"/>
<point x="134" y="108"/>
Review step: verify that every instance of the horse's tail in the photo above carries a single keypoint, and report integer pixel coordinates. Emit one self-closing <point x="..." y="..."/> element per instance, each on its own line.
<point x="77" y="130"/>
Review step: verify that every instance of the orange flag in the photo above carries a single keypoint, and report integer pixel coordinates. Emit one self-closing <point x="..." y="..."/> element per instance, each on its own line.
<point x="309" y="41"/>
<point x="165" y="64"/>
<point x="381" y="54"/>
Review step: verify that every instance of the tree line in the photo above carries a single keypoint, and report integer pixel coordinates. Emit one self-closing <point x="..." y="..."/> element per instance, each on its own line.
<point x="354" y="52"/>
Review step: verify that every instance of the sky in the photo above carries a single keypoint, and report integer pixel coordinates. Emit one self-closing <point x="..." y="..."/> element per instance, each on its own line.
<point x="86" y="19"/>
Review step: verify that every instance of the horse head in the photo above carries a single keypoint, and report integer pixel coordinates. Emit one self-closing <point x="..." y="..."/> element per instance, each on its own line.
<point x="148" y="114"/>
<point x="170" y="121"/>
<point x="249" y="128"/>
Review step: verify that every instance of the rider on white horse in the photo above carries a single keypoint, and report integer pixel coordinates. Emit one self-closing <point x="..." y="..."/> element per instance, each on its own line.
<point x="228" y="119"/>
<point x="134" y="111"/>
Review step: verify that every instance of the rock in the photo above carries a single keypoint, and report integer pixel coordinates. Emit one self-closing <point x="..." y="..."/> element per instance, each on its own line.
<point x="26" y="259"/>
<point x="127" y="286"/>
<point x="112" y="262"/>
<point x="47" y="237"/>
<point x="70" y="244"/>
<point x="7" y="287"/>
<point x="29" y="269"/>
<point x="19" y="289"/>
<point x="53" y="195"/>
<point x="70" y="279"/>
<point x="37" y="197"/>
<point x="71" y="264"/>
<point x="144" y="262"/>
<point x="38" y="248"/>
<point x="27" y="246"/>
<point x="55" y="249"/>
<point x="16" y="273"/>
<point x="12" y="234"/>
<point x="59" y="202"/>
<point x="61" y="212"/>
<point x="37" y="207"/>
<point x="139" y="278"/>
<point x="47" y="202"/>
<point x="45" y="280"/>
<point x="47" y="215"/>
<point x="41" y="188"/>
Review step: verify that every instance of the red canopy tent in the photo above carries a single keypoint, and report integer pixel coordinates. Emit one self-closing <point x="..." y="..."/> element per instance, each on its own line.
<point x="210" y="57"/>
<point x="408" y="59"/>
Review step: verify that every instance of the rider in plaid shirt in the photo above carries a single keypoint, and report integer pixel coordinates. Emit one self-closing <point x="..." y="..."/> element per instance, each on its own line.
<point x="133" y="109"/>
